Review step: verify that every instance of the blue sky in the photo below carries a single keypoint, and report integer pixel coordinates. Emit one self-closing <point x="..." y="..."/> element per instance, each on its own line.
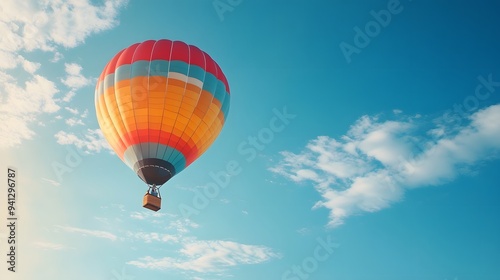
<point x="362" y="143"/>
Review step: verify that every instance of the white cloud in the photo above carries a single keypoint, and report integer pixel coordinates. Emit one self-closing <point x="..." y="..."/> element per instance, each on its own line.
<point x="73" y="111"/>
<point x="475" y="142"/>
<point x="10" y="60"/>
<point x="147" y="215"/>
<point x="103" y="220"/>
<point x="88" y="232"/>
<point x="224" y="200"/>
<point x="370" y="167"/>
<point x="29" y="66"/>
<point x="52" y="182"/>
<point x="7" y="60"/>
<point x="85" y="113"/>
<point x="13" y="130"/>
<point x="69" y="96"/>
<point x="21" y="106"/>
<point x="208" y="256"/>
<point x="303" y="231"/>
<point x="74" y="79"/>
<point x="30" y="24"/>
<point x="182" y="225"/>
<point x="149" y="237"/>
<point x="37" y="96"/>
<point x="42" y="25"/>
<point x="57" y="56"/>
<point x="92" y="141"/>
<point x="74" y="121"/>
<point x="50" y="246"/>
<point x="138" y="216"/>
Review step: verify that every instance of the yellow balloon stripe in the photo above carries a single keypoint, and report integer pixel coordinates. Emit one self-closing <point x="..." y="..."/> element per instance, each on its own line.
<point x="108" y="127"/>
<point x="173" y="106"/>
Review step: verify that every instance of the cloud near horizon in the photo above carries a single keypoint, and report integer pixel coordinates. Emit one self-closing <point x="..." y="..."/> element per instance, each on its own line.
<point x="182" y="250"/>
<point x="89" y="232"/>
<point x="371" y="166"/>
<point x="208" y="256"/>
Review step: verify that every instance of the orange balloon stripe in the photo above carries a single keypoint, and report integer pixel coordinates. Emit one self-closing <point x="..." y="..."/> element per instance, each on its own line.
<point x="207" y="138"/>
<point x="206" y="141"/>
<point x="113" y="112"/>
<point x="176" y="91"/>
<point x="106" y="124"/>
<point x="204" y="147"/>
<point x="129" y="120"/>
<point x="107" y="129"/>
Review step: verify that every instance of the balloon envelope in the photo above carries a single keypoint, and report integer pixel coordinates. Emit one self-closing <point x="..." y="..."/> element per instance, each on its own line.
<point x="160" y="105"/>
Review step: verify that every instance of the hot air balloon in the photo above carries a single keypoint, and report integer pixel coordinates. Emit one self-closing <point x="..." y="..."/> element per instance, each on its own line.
<point x="160" y="105"/>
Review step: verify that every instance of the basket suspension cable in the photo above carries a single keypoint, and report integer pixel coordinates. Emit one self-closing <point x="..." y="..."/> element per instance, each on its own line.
<point x="154" y="190"/>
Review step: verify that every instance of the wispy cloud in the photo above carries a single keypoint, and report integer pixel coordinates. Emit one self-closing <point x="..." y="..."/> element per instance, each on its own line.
<point x="224" y="200"/>
<point x="149" y="237"/>
<point x="92" y="141"/>
<point x="74" y="121"/>
<point x="73" y="111"/>
<point x="192" y="255"/>
<point x="50" y="246"/>
<point x="52" y="182"/>
<point x="303" y="231"/>
<point x="57" y="56"/>
<point x="370" y="167"/>
<point x="182" y="225"/>
<point x="209" y="256"/>
<point x="147" y="215"/>
<point x="74" y="78"/>
<point x="89" y="232"/>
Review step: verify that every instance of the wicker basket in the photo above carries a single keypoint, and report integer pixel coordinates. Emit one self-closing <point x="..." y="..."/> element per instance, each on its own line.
<point x="151" y="202"/>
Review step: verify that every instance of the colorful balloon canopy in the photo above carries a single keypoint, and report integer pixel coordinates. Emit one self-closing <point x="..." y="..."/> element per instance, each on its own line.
<point x="160" y="105"/>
